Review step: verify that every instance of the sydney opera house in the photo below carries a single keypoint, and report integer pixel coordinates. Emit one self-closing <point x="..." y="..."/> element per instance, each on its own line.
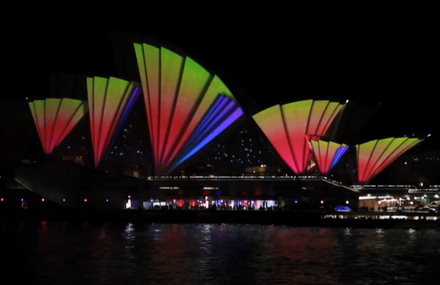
<point x="170" y="131"/>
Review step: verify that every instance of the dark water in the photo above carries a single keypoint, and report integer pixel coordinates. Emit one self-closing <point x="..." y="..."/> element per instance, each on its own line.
<point x="46" y="253"/>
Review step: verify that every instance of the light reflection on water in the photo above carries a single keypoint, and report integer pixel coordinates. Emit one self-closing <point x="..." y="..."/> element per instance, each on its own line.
<point x="49" y="253"/>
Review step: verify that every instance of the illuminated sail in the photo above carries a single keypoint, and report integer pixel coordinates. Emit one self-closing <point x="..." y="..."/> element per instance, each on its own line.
<point x="375" y="155"/>
<point x="54" y="119"/>
<point x="327" y="154"/>
<point x="289" y="128"/>
<point x="110" y="101"/>
<point x="187" y="107"/>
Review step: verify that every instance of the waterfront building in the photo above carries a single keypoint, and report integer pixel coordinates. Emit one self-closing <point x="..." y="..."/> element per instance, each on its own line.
<point x="188" y="141"/>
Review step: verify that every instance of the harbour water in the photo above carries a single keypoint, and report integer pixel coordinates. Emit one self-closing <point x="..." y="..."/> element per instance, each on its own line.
<point x="85" y="253"/>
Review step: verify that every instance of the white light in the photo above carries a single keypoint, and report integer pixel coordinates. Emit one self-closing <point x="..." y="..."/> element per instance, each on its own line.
<point x="428" y="135"/>
<point x="27" y="98"/>
<point x="346" y="202"/>
<point x="367" y="197"/>
<point x="128" y="204"/>
<point x="346" y="102"/>
<point x="411" y="202"/>
<point x="322" y="202"/>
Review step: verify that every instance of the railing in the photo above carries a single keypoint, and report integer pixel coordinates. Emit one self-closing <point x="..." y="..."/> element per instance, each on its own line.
<point x="430" y="188"/>
<point x="239" y="177"/>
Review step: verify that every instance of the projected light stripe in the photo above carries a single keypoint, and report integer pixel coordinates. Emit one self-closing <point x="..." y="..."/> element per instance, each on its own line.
<point x="327" y="154"/>
<point x="290" y="126"/>
<point x="374" y="156"/>
<point x="37" y="125"/>
<point x="271" y="123"/>
<point x="194" y="81"/>
<point x="224" y="125"/>
<point x="108" y="100"/>
<point x="65" y="122"/>
<point x="215" y="88"/>
<point x="338" y="156"/>
<point x="137" y="91"/>
<point x="329" y="116"/>
<point x="179" y="94"/>
<point x="149" y="64"/>
<point x="54" y="119"/>
<point x="219" y="116"/>
<point x="51" y="110"/>
<point x="41" y="118"/>
<point x="404" y="147"/>
<point x="171" y="72"/>
<point x="220" y="106"/>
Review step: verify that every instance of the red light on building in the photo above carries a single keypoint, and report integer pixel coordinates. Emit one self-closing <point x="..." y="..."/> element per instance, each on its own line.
<point x="374" y="156"/>
<point x="288" y="126"/>
<point x="2" y="199"/>
<point x="55" y="118"/>
<point x="85" y="200"/>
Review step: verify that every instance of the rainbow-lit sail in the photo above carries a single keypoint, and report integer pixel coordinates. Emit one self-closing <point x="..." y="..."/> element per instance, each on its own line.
<point x="289" y="128"/>
<point x="187" y="107"/>
<point x="110" y="101"/>
<point x="327" y="154"/>
<point x="54" y="119"/>
<point x="375" y="155"/>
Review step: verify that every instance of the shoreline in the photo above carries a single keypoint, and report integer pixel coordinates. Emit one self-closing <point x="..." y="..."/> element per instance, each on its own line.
<point x="287" y="218"/>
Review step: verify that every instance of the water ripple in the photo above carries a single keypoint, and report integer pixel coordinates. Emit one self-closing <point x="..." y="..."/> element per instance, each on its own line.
<point x="50" y="253"/>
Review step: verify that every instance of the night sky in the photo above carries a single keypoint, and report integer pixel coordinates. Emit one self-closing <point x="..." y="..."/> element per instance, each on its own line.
<point x="370" y="55"/>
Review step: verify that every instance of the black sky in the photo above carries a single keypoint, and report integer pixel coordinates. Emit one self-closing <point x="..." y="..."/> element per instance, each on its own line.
<point x="368" y="54"/>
